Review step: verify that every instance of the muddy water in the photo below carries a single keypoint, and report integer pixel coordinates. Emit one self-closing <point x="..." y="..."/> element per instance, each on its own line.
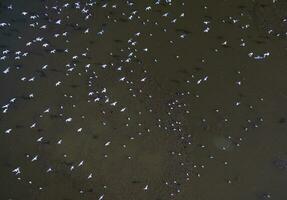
<point x="143" y="100"/>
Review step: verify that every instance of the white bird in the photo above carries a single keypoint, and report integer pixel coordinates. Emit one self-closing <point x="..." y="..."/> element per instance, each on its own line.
<point x="35" y="158"/>
<point x="165" y="14"/>
<point x="45" y="67"/>
<point x="81" y="163"/>
<point x="69" y="119"/>
<point x="31" y="79"/>
<point x="58" y="83"/>
<point x="114" y="103"/>
<point x="12" y="100"/>
<point x="33" y="125"/>
<point x="40" y="139"/>
<point x="6" y="51"/>
<point x="6" y="70"/>
<point x="101" y="32"/>
<point x="108" y="143"/>
<point x="146" y="187"/>
<point x="148" y="8"/>
<point x="122" y="79"/>
<point x="16" y="171"/>
<point x="6" y="106"/>
<point x="8" y="130"/>
<point x="47" y="110"/>
<point x="3" y="24"/>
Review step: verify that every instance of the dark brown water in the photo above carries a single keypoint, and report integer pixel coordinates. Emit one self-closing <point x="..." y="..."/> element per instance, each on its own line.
<point x="147" y="100"/>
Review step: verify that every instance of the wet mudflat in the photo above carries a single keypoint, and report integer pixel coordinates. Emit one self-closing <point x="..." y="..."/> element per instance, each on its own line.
<point x="143" y="100"/>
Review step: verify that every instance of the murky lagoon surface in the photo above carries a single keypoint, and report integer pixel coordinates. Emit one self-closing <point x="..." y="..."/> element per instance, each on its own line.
<point x="143" y="100"/>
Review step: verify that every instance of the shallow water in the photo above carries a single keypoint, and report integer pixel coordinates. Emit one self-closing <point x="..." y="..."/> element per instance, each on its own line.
<point x="143" y="100"/>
